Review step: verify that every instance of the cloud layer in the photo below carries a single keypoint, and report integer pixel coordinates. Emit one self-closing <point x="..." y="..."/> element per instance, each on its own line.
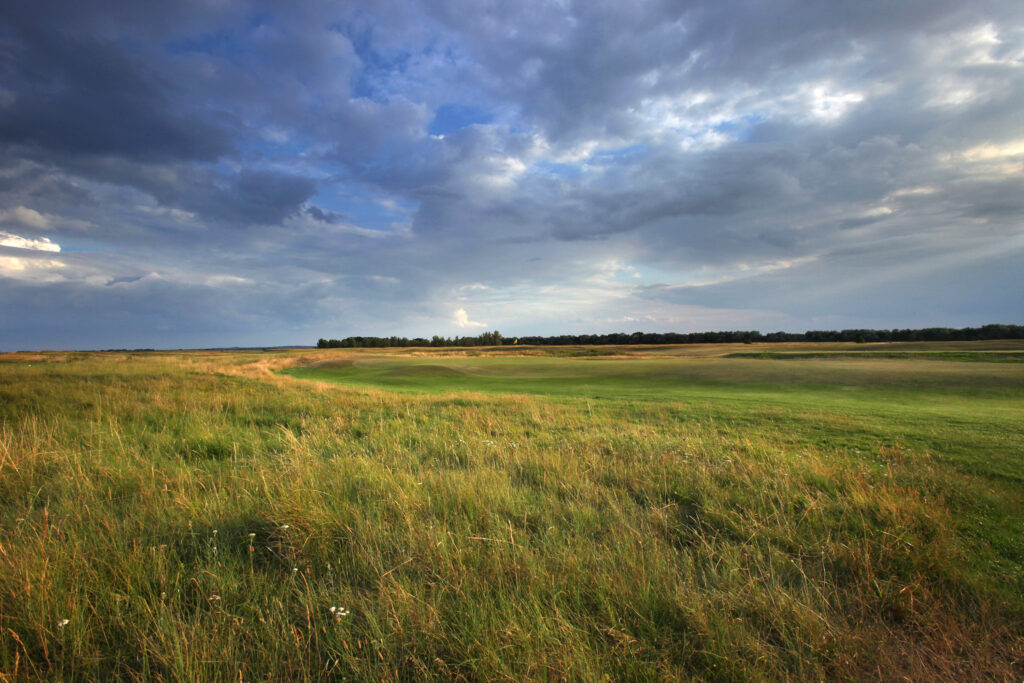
<point x="250" y="173"/>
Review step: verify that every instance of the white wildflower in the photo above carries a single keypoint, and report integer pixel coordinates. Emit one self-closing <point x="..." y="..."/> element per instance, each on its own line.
<point x="63" y="622"/>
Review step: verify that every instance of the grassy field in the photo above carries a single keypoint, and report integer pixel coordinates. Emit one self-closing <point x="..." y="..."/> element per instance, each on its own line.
<point x="718" y="512"/>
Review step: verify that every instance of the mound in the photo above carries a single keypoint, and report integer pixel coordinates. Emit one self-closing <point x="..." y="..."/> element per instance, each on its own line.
<point x="333" y="364"/>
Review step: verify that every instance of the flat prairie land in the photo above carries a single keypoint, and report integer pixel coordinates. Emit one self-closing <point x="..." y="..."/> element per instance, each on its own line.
<point x="697" y="512"/>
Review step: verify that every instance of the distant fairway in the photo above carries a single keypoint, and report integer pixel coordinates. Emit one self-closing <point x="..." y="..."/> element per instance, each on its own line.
<point x="871" y="379"/>
<point x="928" y="396"/>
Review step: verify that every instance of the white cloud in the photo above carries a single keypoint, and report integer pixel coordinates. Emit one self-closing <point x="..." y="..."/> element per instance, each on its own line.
<point x="461" y="319"/>
<point x="828" y="104"/>
<point x="42" y="244"/>
<point x="914" y="191"/>
<point x="221" y="280"/>
<point x="742" y="271"/>
<point x="991" y="151"/>
<point x="613" y="270"/>
<point x="31" y="270"/>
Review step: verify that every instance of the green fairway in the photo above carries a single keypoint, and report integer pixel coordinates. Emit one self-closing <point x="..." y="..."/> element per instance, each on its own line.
<point x="846" y="381"/>
<point x="972" y="408"/>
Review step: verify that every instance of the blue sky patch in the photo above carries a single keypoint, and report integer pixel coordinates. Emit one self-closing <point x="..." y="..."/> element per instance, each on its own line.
<point x="452" y="117"/>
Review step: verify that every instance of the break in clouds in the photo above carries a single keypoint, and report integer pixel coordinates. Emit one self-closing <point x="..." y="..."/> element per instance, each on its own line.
<point x="199" y="173"/>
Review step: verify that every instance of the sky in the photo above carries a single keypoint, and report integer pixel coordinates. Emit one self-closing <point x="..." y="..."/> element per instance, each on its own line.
<point x="216" y="173"/>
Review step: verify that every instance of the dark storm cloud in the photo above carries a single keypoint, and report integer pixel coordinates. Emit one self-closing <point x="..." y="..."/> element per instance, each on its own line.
<point x="266" y="197"/>
<point x="244" y="197"/>
<point x="76" y="95"/>
<point x="371" y="169"/>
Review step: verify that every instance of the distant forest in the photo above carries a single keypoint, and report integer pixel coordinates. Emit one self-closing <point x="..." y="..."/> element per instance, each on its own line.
<point x="740" y="336"/>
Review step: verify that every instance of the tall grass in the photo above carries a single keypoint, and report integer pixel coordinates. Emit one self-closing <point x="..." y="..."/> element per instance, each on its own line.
<point x="192" y="517"/>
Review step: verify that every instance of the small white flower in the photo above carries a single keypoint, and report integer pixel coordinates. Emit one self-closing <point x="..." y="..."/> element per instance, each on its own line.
<point x="252" y="535"/>
<point x="214" y="532"/>
<point x="213" y="598"/>
<point x="63" y="622"/>
<point x="284" y="527"/>
<point x="294" y="569"/>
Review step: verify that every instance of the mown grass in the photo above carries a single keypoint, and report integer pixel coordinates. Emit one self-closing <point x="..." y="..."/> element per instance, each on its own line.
<point x="965" y="356"/>
<point x="494" y="519"/>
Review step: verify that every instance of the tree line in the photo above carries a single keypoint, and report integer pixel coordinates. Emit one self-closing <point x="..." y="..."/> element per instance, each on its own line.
<point x="495" y="338"/>
<point x="485" y="339"/>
